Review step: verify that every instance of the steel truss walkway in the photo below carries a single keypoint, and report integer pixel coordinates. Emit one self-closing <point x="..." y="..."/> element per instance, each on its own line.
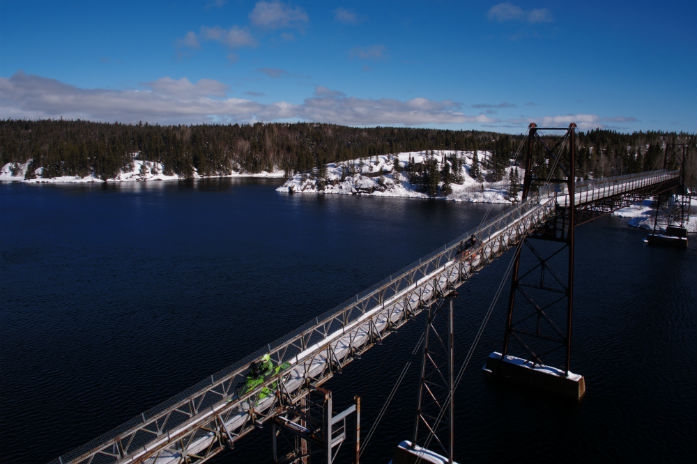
<point x="217" y="412"/>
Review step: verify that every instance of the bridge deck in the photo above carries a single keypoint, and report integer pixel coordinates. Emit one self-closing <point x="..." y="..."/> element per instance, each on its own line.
<point x="196" y="424"/>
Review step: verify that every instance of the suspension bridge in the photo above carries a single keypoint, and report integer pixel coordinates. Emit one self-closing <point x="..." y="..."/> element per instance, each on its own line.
<point x="219" y="411"/>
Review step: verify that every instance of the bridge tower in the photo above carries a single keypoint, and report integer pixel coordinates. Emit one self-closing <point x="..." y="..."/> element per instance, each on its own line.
<point x="677" y="214"/>
<point x="540" y="304"/>
<point x="435" y="413"/>
<point x="437" y="380"/>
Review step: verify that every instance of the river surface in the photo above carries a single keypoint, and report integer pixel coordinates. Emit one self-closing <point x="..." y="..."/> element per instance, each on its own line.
<point x="116" y="297"/>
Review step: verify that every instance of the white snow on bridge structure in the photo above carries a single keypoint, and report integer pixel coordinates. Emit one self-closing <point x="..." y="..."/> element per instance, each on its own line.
<point x="198" y="423"/>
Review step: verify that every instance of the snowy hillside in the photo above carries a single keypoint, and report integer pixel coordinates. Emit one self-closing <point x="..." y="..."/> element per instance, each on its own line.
<point x="383" y="175"/>
<point x="394" y="176"/>
<point x="643" y="215"/>
<point x="139" y="171"/>
<point x="453" y="175"/>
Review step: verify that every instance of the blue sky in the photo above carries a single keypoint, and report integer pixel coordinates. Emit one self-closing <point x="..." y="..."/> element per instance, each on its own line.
<point x="481" y="65"/>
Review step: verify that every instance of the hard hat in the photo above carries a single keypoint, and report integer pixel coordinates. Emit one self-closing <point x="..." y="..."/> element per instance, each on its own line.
<point x="266" y="358"/>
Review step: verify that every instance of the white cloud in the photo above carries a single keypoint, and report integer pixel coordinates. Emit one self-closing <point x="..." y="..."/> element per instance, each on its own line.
<point x="182" y="87"/>
<point x="540" y="15"/>
<point x="622" y="119"/>
<point x="491" y="106"/>
<point x="215" y="4"/>
<point x="328" y="93"/>
<point x="266" y="15"/>
<point x="164" y="101"/>
<point x="345" y="16"/>
<point x="583" y="121"/>
<point x="190" y="40"/>
<point x="234" y="37"/>
<point x="173" y="101"/>
<point x="374" y="52"/>
<point x="276" y="15"/>
<point x="273" y="73"/>
<point x="180" y="101"/>
<point x="336" y="107"/>
<point x="506" y="11"/>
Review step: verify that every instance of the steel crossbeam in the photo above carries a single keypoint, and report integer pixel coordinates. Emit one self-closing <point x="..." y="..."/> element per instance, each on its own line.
<point x="217" y="412"/>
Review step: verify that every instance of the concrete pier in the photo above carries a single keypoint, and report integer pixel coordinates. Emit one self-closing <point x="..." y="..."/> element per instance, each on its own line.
<point x="410" y="453"/>
<point x="538" y="376"/>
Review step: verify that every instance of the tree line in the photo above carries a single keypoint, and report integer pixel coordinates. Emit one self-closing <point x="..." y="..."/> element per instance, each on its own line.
<point x="81" y="148"/>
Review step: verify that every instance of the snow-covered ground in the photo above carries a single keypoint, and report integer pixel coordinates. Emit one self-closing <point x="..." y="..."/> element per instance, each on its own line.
<point x="374" y="176"/>
<point x="643" y="215"/>
<point x="377" y="176"/>
<point x="141" y="171"/>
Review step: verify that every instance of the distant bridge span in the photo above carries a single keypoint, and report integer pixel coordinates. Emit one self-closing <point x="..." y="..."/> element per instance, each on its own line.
<point x="201" y="422"/>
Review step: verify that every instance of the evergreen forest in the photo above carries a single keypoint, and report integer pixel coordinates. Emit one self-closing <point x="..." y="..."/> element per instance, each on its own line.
<point x="82" y="148"/>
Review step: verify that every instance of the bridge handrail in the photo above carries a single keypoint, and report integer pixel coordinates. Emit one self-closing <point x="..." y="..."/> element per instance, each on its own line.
<point x="600" y="187"/>
<point x="237" y="371"/>
<point x="350" y="310"/>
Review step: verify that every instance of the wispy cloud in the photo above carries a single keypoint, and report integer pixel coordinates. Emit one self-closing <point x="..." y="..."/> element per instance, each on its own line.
<point x="233" y="38"/>
<point x="183" y="87"/>
<point x="333" y="106"/>
<point x="583" y="121"/>
<point x="163" y="101"/>
<point x="622" y="119"/>
<point x="190" y="40"/>
<point x="273" y="72"/>
<point x="180" y="101"/>
<point x="374" y="52"/>
<point x="493" y="105"/>
<point x="506" y="11"/>
<point x="173" y="101"/>
<point x="345" y="16"/>
<point x="215" y="4"/>
<point x="265" y="15"/>
<point x="277" y="15"/>
<point x="324" y="92"/>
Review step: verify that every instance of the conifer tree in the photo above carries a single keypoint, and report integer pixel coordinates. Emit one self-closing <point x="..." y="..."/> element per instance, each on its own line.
<point x="514" y="188"/>
<point x="474" y="170"/>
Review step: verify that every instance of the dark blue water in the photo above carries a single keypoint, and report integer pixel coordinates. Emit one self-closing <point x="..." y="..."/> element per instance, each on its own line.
<point x="115" y="298"/>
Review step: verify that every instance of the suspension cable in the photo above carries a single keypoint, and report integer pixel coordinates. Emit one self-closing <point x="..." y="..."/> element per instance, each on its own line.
<point x="555" y="156"/>
<point x="390" y="397"/>
<point x="489" y="209"/>
<point x="489" y="312"/>
<point x="487" y="316"/>
<point x="475" y="342"/>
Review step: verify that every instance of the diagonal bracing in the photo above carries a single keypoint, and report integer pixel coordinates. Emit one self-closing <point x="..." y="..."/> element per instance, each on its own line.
<point x="214" y="414"/>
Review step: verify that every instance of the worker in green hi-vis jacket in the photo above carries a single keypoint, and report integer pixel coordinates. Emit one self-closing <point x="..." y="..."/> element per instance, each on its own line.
<point x="259" y="371"/>
<point x="266" y="366"/>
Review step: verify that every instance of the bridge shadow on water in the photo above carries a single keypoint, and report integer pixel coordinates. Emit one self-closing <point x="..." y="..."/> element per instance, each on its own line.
<point x="634" y="341"/>
<point x="164" y="310"/>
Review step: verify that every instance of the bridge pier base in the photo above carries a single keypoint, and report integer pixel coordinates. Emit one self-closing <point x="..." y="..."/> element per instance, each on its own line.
<point x="537" y="376"/>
